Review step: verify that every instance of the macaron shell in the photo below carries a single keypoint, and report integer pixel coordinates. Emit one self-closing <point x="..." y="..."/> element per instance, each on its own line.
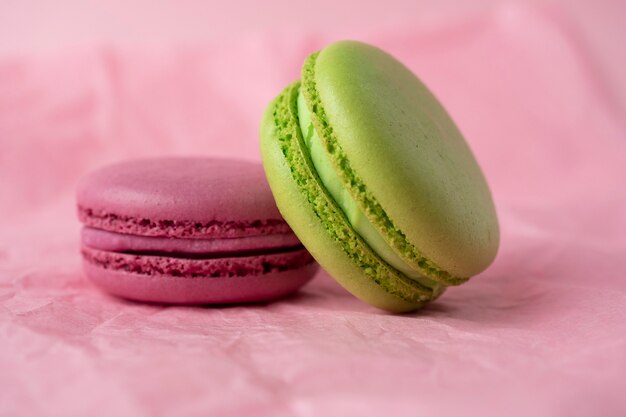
<point x="199" y="290"/>
<point x="298" y="212"/>
<point x="180" y="197"/>
<point x="187" y="267"/>
<point x="400" y="141"/>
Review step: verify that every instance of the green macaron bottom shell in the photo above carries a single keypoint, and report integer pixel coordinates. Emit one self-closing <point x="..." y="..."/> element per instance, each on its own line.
<point x="319" y="222"/>
<point x="355" y="216"/>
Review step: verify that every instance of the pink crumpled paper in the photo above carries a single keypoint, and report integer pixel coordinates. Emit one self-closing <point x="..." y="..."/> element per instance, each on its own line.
<point x="541" y="333"/>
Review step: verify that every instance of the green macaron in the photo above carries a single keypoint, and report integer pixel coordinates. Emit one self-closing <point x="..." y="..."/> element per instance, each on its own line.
<point x="376" y="180"/>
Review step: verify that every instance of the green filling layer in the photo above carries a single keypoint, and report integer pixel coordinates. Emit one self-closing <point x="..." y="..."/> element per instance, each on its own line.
<point x="342" y="197"/>
<point x="352" y="184"/>
<point x="330" y="214"/>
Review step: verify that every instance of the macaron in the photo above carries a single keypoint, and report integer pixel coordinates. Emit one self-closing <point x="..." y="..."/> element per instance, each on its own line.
<point x="188" y="231"/>
<point x="376" y="180"/>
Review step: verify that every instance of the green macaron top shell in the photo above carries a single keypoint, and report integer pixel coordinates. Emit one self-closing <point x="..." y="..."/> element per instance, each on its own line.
<point x="402" y="159"/>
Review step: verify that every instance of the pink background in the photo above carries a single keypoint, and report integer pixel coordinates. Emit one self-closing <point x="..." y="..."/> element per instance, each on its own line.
<point x="538" y="89"/>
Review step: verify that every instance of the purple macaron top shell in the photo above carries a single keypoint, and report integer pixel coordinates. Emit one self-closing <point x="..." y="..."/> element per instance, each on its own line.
<point x="183" y="197"/>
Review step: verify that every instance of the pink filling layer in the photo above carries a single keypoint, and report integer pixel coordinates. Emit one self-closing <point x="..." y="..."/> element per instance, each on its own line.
<point x="117" y="242"/>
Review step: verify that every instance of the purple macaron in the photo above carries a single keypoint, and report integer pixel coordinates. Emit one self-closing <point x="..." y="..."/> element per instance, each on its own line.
<point x="188" y="231"/>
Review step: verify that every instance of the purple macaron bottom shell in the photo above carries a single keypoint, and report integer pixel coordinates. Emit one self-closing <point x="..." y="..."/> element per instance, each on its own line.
<point x="199" y="290"/>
